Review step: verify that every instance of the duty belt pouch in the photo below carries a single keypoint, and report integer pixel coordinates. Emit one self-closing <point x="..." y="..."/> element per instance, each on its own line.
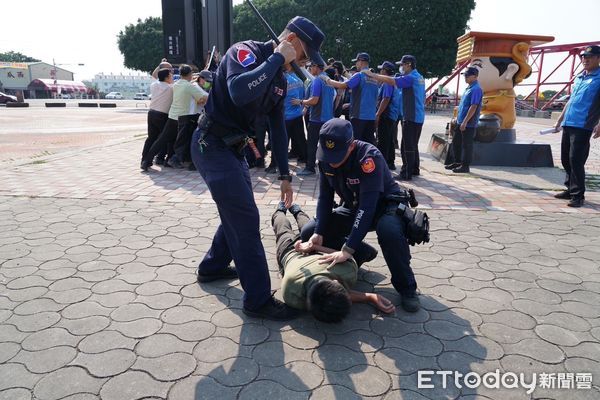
<point x="416" y="223"/>
<point x="233" y="139"/>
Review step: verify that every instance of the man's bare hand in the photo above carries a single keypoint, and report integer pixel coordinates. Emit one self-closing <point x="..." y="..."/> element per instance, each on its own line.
<point x="463" y="126"/>
<point x="303" y="247"/>
<point x="296" y="102"/>
<point x="381" y="303"/>
<point x="334" y="258"/>
<point x="287" y="193"/>
<point x="316" y="239"/>
<point x="286" y="49"/>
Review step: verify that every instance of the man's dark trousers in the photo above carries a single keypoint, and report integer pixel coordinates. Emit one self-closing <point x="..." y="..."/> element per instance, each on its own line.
<point x="284" y="234"/>
<point x="409" y="148"/>
<point x="186" y="125"/>
<point x="156" y="123"/>
<point x="385" y="139"/>
<point x="363" y="130"/>
<point x="168" y="135"/>
<point x="574" y="151"/>
<point x="462" y="145"/>
<point x="295" y="131"/>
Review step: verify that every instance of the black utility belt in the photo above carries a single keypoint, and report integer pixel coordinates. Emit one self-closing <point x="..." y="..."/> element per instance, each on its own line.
<point x="231" y="138"/>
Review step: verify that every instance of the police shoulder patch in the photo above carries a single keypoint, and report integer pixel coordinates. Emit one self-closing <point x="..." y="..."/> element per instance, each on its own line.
<point x="245" y="57"/>
<point x="368" y="165"/>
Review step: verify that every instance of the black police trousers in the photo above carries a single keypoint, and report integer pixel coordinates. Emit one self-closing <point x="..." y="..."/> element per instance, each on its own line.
<point x="295" y="131"/>
<point x="409" y="148"/>
<point x="313" y="142"/>
<point x="156" y="123"/>
<point x="462" y="145"/>
<point x="574" y="151"/>
<point x="389" y="227"/>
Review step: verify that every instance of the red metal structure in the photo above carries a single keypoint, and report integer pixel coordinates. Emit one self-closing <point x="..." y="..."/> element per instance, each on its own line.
<point x="536" y="60"/>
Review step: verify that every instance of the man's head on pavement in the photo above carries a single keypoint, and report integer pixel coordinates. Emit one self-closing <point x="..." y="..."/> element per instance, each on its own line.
<point x="327" y="300"/>
<point x="336" y="142"/>
<point x="362" y="60"/>
<point x="306" y="38"/>
<point x="590" y="58"/>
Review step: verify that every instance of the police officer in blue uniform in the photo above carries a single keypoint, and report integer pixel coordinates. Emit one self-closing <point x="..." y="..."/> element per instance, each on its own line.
<point x="388" y="112"/>
<point x="363" y="99"/>
<point x="249" y="84"/>
<point x="579" y="120"/>
<point x="321" y="110"/>
<point x="357" y="172"/>
<point x="413" y="110"/>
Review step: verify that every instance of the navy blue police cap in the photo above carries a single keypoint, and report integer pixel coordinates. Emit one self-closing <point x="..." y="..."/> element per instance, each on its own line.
<point x="591" y="51"/>
<point x="362" y="57"/>
<point x="335" y="138"/>
<point x="311" y="35"/>
<point x="471" y="71"/>
<point x="387" y="65"/>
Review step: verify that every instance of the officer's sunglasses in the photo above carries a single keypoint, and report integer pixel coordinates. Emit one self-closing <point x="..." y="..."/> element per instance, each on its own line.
<point x="305" y="58"/>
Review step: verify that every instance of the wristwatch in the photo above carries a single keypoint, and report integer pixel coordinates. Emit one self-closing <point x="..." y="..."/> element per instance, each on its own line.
<point x="284" y="178"/>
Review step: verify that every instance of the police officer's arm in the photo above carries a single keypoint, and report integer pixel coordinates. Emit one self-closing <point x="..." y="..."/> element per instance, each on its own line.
<point x="251" y="85"/>
<point x="364" y="218"/>
<point x="279" y="140"/>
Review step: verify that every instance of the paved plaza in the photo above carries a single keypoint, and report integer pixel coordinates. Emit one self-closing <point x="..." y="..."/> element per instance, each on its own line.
<point x="99" y="299"/>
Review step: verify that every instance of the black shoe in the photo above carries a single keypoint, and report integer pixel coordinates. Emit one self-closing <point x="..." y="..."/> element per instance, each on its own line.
<point x="392" y="167"/>
<point x="271" y="169"/>
<point x="274" y="310"/>
<point x="463" y="169"/>
<point x="410" y="302"/>
<point x="192" y="167"/>
<point x="292" y="155"/>
<point x="576" y="203"/>
<point x="228" y="272"/>
<point x="166" y="164"/>
<point x="416" y="172"/>
<point x="175" y="163"/>
<point x="260" y="163"/>
<point x="145" y="165"/>
<point x="564" y="195"/>
<point x="281" y="207"/>
<point x="452" y="166"/>
<point x="159" y="161"/>
<point x="403" y="177"/>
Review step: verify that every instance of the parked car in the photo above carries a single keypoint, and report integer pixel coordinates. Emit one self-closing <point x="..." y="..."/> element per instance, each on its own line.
<point x="114" y="96"/>
<point x="7" y="98"/>
<point x="560" y="103"/>
<point x="140" y="96"/>
<point x="65" y="96"/>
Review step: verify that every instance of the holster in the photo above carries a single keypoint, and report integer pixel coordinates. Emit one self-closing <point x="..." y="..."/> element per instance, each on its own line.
<point x="416" y="223"/>
<point x="237" y="140"/>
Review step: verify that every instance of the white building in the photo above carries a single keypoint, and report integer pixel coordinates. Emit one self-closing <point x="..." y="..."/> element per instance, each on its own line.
<point x="128" y="84"/>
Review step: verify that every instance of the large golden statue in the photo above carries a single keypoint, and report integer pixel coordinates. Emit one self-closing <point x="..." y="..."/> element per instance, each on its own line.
<point x="502" y="62"/>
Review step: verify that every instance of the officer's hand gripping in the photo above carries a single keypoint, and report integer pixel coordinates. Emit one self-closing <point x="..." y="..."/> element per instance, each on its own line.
<point x="287" y="193"/>
<point x="286" y="49"/>
<point x="334" y="258"/>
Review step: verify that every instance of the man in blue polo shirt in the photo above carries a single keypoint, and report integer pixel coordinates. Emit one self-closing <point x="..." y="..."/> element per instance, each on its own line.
<point x="579" y="120"/>
<point x="466" y="123"/>
<point x="413" y="108"/>
<point x="388" y="111"/>
<point x="321" y="110"/>
<point x="363" y="99"/>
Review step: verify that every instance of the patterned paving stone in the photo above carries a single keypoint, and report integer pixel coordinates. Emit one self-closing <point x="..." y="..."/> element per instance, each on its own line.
<point x="45" y="361"/>
<point x="325" y="392"/>
<point x="182" y="314"/>
<point x="66" y="381"/>
<point x="15" y="394"/>
<point x="445" y="330"/>
<point x="84" y="326"/>
<point x="537" y="349"/>
<point x="106" y="364"/>
<point x="113" y="300"/>
<point x="133" y="385"/>
<point x="85" y="309"/>
<point x="399" y="362"/>
<point x="194" y="331"/>
<point x="169" y="367"/>
<point x="160" y="301"/>
<point x="362" y="341"/>
<point x="366" y="381"/>
<point x="103" y="341"/>
<point x="162" y="344"/>
<point x="132" y="312"/>
<point x="198" y="386"/>
<point x="33" y="323"/>
<point x="139" y="328"/>
<point x="16" y="375"/>
<point x="8" y="350"/>
<point x="48" y="338"/>
<point x="416" y="343"/>
<point x="270" y="389"/>
<point x="275" y="354"/>
<point x="297" y="375"/>
<point x="70" y="296"/>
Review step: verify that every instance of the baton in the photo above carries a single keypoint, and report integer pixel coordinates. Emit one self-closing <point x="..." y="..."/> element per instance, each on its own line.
<point x="295" y="66"/>
<point x="212" y="54"/>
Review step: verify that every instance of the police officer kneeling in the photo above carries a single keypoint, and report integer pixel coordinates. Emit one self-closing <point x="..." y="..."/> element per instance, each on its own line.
<point x="358" y="173"/>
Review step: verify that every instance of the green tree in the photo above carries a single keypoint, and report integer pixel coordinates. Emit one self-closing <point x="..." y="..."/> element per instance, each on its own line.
<point x="11" y="56"/>
<point x="548" y="94"/>
<point x="386" y="29"/>
<point x="141" y="44"/>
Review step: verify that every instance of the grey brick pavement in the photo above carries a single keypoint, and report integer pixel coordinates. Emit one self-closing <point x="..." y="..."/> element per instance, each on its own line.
<point x="98" y="299"/>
